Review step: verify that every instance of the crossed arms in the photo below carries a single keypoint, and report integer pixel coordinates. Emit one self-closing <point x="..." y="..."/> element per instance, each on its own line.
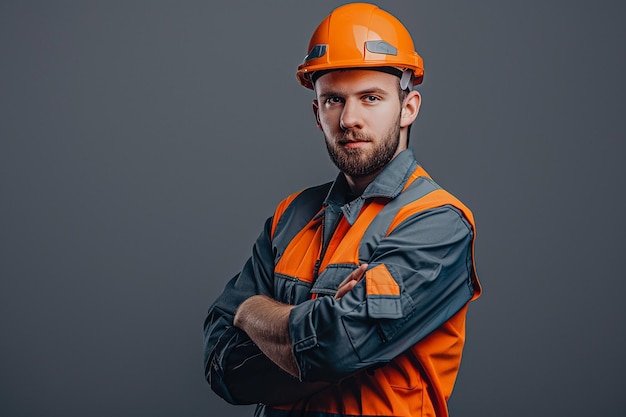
<point x="258" y="349"/>
<point x="266" y="322"/>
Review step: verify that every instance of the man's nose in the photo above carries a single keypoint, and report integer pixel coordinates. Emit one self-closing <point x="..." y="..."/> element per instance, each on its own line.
<point x="350" y="116"/>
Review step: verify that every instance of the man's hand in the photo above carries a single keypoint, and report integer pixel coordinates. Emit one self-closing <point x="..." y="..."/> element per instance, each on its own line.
<point x="351" y="280"/>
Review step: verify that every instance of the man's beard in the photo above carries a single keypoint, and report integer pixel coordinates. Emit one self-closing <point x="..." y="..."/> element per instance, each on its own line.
<point x="357" y="162"/>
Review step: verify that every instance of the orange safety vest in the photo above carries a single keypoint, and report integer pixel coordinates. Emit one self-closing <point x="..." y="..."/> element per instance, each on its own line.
<point x="419" y="381"/>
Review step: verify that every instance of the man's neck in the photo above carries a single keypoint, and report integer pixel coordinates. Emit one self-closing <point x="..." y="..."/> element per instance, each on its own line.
<point x="359" y="184"/>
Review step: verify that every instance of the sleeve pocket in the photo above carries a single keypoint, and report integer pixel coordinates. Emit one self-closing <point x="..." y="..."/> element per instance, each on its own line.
<point x="383" y="294"/>
<point x="376" y="322"/>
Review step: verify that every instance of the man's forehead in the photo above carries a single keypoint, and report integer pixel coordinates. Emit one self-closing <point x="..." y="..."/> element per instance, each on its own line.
<point x="356" y="78"/>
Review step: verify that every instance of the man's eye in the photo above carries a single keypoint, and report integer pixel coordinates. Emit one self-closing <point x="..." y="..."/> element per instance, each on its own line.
<point x="371" y="98"/>
<point x="333" y="100"/>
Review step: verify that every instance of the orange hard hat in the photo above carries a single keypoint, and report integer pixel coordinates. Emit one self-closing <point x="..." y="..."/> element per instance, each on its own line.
<point x="360" y="35"/>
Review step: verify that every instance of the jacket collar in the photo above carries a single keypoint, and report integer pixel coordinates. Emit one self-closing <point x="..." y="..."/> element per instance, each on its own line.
<point x="388" y="184"/>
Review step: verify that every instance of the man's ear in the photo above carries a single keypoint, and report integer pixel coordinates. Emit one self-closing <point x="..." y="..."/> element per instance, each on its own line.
<point x="410" y="108"/>
<point x="316" y="112"/>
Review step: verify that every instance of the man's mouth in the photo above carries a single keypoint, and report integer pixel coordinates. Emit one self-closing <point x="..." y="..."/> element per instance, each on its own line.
<point x="353" y="143"/>
<point x="350" y="141"/>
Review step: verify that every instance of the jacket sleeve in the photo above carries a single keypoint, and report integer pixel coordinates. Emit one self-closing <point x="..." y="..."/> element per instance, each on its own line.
<point x="418" y="277"/>
<point x="235" y="368"/>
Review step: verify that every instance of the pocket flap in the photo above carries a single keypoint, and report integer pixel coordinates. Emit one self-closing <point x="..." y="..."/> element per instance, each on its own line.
<point x="383" y="294"/>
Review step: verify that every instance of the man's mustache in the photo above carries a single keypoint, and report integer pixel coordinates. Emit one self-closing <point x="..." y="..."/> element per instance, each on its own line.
<point x="352" y="136"/>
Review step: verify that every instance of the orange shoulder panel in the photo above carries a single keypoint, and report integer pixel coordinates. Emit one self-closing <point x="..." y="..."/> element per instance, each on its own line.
<point x="280" y="209"/>
<point x="439" y="198"/>
<point x="418" y="172"/>
<point x="434" y="199"/>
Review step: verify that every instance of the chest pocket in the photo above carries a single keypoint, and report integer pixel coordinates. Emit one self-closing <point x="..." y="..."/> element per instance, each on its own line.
<point x="290" y="290"/>
<point x="328" y="281"/>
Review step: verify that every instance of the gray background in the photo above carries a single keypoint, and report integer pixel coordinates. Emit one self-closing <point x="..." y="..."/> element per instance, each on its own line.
<point x="144" y="143"/>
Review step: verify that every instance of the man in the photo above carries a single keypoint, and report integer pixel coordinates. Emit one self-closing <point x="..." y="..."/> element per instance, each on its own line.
<point x="354" y="299"/>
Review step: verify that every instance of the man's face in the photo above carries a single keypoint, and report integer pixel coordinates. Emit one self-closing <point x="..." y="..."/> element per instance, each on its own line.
<point x="359" y="113"/>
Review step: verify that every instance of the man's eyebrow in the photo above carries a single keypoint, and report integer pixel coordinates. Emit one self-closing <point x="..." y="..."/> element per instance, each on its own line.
<point x="330" y="93"/>
<point x="374" y="90"/>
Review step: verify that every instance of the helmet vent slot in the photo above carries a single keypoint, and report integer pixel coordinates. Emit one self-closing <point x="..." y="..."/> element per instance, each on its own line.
<point x="316" y="52"/>
<point x="381" y="47"/>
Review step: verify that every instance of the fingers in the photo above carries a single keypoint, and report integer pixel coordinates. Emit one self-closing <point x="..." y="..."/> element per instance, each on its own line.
<point x="355" y="275"/>
<point x="358" y="273"/>
<point x="351" y="280"/>
<point x="344" y="289"/>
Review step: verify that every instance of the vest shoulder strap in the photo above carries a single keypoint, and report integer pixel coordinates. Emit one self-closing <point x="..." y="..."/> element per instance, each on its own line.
<point x="380" y="225"/>
<point x="295" y="212"/>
